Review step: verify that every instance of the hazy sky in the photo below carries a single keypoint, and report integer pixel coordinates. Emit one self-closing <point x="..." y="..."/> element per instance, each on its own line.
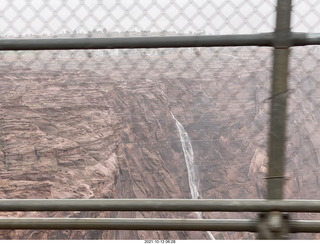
<point x="212" y="16"/>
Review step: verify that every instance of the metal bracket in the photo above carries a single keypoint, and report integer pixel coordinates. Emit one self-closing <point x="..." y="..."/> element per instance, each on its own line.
<point x="273" y="226"/>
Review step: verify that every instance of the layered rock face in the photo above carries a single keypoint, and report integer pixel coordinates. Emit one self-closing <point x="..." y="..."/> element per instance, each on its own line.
<point x="108" y="132"/>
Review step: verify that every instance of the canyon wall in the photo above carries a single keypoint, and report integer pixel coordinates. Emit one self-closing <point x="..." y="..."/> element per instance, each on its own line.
<point x="105" y="130"/>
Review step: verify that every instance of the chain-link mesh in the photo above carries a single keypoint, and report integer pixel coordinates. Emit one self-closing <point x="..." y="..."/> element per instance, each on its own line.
<point x="306" y="16"/>
<point x="76" y="19"/>
<point x="74" y="117"/>
<point x="302" y="144"/>
<point x="97" y="123"/>
<point x="131" y="18"/>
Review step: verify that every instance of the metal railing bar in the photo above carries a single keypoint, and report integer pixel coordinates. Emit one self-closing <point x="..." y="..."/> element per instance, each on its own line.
<point x="304" y="226"/>
<point x="248" y="225"/>
<point x="128" y="224"/>
<point x="202" y="205"/>
<point x="304" y="39"/>
<point x="265" y="39"/>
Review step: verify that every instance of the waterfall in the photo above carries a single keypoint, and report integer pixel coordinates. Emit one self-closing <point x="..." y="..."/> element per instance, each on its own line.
<point x="188" y="155"/>
<point x="189" y="159"/>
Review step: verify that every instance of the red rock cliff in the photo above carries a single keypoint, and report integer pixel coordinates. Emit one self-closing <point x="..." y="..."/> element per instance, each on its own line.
<point x="109" y="133"/>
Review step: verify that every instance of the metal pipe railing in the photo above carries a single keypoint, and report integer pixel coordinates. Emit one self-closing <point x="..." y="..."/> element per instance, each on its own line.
<point x="128" y="224"/>
<point x="193" y="205"/>
<point x="137" y="42"/>
<point x="247" y="225"/>
<point x="304" y="226"/>
<point x="303" y="39"/>
<point x="264" y="39"/>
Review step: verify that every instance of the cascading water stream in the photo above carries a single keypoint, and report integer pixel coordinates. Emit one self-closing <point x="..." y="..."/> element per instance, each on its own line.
<point x="189" y="159"/>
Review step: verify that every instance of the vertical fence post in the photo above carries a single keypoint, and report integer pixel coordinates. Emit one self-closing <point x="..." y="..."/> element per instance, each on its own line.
<point x="277" y="131"/>
<point x="274" y="225"/>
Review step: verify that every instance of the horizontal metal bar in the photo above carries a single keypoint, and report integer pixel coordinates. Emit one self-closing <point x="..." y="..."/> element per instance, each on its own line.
<point x="303" y="39"/>
<point x="264" y="39"/>
<point x="304" y="226"/>
<point x="247" y="225"/>
<point x="128" y="224"/>
<point x="137" y="42"/>
<point x="201" y="205"/>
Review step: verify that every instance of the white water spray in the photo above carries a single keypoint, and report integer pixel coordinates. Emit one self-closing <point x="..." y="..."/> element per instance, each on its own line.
<point x="189" y="158"/>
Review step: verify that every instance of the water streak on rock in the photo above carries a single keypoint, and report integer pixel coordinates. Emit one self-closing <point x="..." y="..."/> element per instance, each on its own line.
<point x="189" y="159"/>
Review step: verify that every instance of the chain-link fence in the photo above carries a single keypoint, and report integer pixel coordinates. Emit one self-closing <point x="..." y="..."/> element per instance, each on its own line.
<point x="132" y="18"/>
<point x="79" y="19"/>
<point x="98" y="123"/>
